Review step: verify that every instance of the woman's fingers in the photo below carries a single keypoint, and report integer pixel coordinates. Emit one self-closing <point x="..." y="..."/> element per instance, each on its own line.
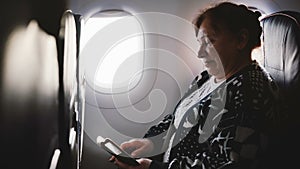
<point x="121" y="165"/>
<point x="137" y="153"/>
<point x="129" y="145"/>
<point x="112" y="159"/>
<point x="144" y="163"/>
<point x="137" y="147"/>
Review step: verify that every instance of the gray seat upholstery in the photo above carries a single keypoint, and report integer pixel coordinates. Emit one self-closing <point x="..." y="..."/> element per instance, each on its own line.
<point x="281" y="48"/>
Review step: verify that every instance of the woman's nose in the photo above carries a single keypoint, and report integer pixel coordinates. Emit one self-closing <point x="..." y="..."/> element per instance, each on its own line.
<point x="202" y="51"/>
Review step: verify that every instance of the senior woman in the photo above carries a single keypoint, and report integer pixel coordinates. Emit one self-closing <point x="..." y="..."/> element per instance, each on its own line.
<point x="222" y="120"/>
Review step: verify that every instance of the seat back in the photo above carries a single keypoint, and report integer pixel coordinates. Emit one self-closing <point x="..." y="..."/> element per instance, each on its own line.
<point x="281" y="49"/>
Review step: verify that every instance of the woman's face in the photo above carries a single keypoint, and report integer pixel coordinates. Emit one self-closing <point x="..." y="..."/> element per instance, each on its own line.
<point x="217" y="49"/>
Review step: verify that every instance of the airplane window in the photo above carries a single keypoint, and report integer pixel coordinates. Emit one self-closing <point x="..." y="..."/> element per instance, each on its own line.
<point x="257" y="55"/>
<point x="119" y="52"/>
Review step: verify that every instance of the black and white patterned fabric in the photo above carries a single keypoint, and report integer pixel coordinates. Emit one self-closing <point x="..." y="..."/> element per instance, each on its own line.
<point x="228" y="128"/>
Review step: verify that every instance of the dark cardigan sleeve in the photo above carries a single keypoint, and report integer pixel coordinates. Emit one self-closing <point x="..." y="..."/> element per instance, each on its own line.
<point x="157" y="133"/>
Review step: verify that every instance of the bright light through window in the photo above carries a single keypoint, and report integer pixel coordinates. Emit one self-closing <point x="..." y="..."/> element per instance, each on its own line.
<point x="93" y="25"/>
<point x="120" y="62"/>
<point x="257" y="55"/>
<point x="110" y="72"/>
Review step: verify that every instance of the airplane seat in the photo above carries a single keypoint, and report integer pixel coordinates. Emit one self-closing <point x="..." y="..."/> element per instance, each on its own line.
<point x="29" y="84"/>
<point x="28" y="102"/>
<point x="281" y="49"/>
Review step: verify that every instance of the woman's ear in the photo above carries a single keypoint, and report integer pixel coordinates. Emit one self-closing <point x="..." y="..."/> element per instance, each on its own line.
<point x="243" y="38"/>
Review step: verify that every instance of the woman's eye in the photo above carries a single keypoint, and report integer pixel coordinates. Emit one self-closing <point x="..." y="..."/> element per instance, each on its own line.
<point x="212" y="41"/>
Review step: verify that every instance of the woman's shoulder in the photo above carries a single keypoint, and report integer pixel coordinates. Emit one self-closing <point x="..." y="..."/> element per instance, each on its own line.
<point x="254" y="81"/>
<point x="253" y="74"/>
<point x="259" y="79"/>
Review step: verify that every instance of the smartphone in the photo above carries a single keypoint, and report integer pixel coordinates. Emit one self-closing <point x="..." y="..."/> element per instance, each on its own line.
<point x="115" y="150"/>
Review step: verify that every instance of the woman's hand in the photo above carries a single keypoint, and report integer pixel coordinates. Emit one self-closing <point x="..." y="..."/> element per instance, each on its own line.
<point x="138" y="147"/>
<point x="144" y="163"/>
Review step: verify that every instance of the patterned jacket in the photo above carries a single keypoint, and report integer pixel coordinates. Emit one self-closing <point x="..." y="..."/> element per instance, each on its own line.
<point x="226" y="129"/>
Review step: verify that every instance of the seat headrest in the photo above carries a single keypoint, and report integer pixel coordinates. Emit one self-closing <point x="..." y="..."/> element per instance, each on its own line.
<point x="281" y="48"/>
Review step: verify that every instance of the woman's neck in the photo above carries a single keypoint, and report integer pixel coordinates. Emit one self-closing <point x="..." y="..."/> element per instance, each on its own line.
<point x="240" y="64"/>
